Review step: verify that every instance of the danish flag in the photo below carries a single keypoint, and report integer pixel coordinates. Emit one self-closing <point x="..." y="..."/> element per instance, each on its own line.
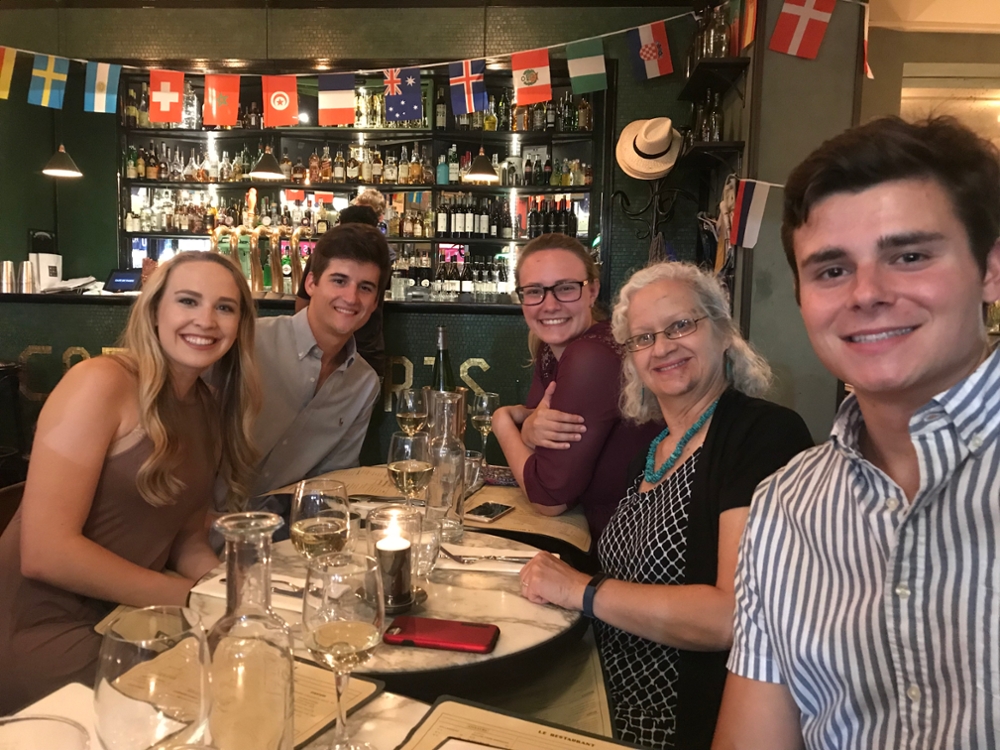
<point x="801" y="27"/>
<point x="392" y="82"/>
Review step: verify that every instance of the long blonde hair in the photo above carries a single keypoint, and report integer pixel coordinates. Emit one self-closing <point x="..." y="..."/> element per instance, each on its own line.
<point x="745" y="370"/>
<point x="236" y="400"/>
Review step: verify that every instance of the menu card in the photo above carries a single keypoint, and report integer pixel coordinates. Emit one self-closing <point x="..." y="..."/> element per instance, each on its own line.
<point x="452" y="722"/>
<point x="570" y="527"/>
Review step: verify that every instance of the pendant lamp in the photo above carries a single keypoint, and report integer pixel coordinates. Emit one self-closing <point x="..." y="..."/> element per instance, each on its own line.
<point x="62" y="165"/>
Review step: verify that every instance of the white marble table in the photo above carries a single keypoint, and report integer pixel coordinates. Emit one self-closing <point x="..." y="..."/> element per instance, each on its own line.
<point x="451" y="594"/>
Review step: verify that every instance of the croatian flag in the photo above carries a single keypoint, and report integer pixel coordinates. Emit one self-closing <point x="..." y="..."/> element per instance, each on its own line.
<point x="336" y="99"/>
<point x="468" y="88"/>
<point x="748" y="213"/>
<point x="100" y="93"/>
<point x="403" y="99"/>
<point x="801" y="27"/>
<point x="650" y="51"/>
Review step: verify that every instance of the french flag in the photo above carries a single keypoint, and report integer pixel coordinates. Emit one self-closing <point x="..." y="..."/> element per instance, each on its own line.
<point x="748" y="213"/>
<point x="650" y="51"/>
<point x="336" y="99"/>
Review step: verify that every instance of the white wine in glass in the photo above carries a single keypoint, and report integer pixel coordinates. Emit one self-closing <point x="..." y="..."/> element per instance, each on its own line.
<point x="409" y="464"/>
<point x="411" y="410"/>
<point x="320" y="517"/>
<point x="320" y="535"/>
<point x="481" y="410"/>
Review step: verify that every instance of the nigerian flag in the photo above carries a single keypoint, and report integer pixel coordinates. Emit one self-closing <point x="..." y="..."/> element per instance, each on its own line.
<point x="586" y="66"/>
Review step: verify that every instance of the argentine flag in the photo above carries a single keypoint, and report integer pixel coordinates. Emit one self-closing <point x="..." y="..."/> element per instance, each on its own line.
<point x="101" y="91"/>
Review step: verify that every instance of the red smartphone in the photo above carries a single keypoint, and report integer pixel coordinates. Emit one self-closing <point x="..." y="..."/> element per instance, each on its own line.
<point x="449" y="635"/>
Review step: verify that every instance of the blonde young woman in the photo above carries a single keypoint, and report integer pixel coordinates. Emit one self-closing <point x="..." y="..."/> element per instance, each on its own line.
<point x="122" y="468"/>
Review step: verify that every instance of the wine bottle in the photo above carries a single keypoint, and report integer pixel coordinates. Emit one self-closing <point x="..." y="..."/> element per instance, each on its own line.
<point x="441" y="377"/>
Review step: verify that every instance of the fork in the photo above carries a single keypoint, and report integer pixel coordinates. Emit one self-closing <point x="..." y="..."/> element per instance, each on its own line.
<point x="473" y="559"/>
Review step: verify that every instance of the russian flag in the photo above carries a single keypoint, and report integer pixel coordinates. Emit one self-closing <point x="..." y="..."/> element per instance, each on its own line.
<point x="650" y="51"/>
<point x="336" y="99"/>
<point x="748" y="213"/>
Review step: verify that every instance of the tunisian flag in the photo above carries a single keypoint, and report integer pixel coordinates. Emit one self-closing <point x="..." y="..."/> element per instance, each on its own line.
<point x="222" y="99"/>
<point x="801" y="27"/>
<point x="281" y="101"/>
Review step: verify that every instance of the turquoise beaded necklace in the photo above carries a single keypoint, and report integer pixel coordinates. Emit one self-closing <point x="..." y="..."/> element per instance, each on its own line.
<point x="654" y="475"/>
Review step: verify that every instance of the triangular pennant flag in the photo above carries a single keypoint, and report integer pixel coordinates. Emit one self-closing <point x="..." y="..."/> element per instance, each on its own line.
<point x="868" y="68"/>
<point x="7" y="56"/>
<point x="166" y="90"/>
<point x="336" y="99"/>
<point x="468" y="87"/>
<point x="403" y="97"/>
<point x="532" y="79"/>
<point x="586" y="66"/>
<point x="222" y="99"/>
<point x="650" y="51"/>
<point x="801" y="27"/>
<point x="100" y="91"/>
<point x="748" y="213"/>
<point x="749" y="24"/>
<point x="281" y="101"/>
<point x="48" y="81"/>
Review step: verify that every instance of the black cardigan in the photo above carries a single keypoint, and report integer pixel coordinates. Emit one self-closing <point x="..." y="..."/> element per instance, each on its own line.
<point x="748" y="440"/>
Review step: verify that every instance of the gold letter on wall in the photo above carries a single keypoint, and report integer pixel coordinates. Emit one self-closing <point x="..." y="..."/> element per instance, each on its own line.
<point x="389" y="386"/>
<point x="28" y="353"/>
<point x="463" y="372"/>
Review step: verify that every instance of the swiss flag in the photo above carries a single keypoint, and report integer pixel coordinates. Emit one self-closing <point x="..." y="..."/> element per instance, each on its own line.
<point x="222" y="99"/>
<point x="281" y="101"/>
<point x="801" y="27"/>
<point x="166" y="95"/>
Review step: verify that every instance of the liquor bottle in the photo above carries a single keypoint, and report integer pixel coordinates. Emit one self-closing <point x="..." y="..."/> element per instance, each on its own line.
<point x="190" y="112"/>
<point x="255" y="120"/>
<point x="453" y="167"/>
<point x="477" y="120"/>
<point x="494" y="229"/>
<point x="130" y="166"/>
<point x="140" y="165"/>
<point x="164" y="162"/>
<point x="467" y="282"/>
<point x="524" y="118"/>
<point x="715" y="121"/>
<point x="562" y="218"/>
<point x="366" y="167"/>
<point x="190" y="173"/>
<point x="339" y="167"/>
<point x="404" y="167"/>
<point x="484" y="218"/>
<point x="441" y="223"/>
<point x="550" y="115"/>
<point x="326" y="165"/>
<point x="143" y="113"/>
<point x="416" y="175"/>
<point x="407" y="224"/>
<point x="238" y="167"/>
<point x="391" y="174"/>
<point x="503" y="281"/>
<point x="377" y="168"/>
<point x="462" y="122"/>
<point x="296" y="214"/>
<point x="538" y="116"/>
<point x="458" y="220"/>
<point x="204" y="169"/>
<point x="490" y="118"/>
<point x="298" y="171"/>
<point x="131" y="110"/>
<point x="503" y="112"/>
<point x="225" y="168"/>
<point x="585" y="115"/>
<point x="506" y="227"/>
<point x="286" y="165"/>
<point x="534" y="221"/>
<point x="353" y="168"/>
<point x="441" y="176"/>
<point x="313" y="167"/>
<point x="492" y="280"/>
<point x="440" y="111"/>
<point x="470" y="218"/>
<point x="177" y="166"/>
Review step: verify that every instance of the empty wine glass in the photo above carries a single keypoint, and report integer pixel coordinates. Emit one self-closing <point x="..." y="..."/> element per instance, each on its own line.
<point x="427" y="547"/>
<point x="343" y="613"/>
<point x="49" y="732"/>
<point x="411" y="410"/>
<point x="481" y="410"/>
<point x="152" y="679"/>
<point x="473" y="469"/>
<point x="409" y="464"/>
<point x="320" y="517"/>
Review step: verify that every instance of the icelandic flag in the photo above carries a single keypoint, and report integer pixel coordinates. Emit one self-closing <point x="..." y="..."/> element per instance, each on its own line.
<point x="748" y="213"/>
<point x="100" y="94"/>
<point x="403" y="98"/>
<point x="468" y="87"/>
<point x="336" y="99"/>
<point x="48" y="81"/>
<point x="650" y="51"/>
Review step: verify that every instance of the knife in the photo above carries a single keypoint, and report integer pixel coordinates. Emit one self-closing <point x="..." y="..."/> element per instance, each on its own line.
<point x="366" y="498"/>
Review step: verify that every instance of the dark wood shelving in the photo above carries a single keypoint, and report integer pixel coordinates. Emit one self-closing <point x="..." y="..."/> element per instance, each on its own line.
<point x="531" y="137"/>
<point x="351" y="188"/>
<point x="719" y="74"/>
<point x="470" y="241"/>
<point x="717" y="149"/>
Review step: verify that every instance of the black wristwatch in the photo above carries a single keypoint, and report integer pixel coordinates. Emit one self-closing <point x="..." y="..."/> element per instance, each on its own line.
<point x="590" y="591"/>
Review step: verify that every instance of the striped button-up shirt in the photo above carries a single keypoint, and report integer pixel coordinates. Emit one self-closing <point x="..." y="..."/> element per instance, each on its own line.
<point x="882" y="617"/>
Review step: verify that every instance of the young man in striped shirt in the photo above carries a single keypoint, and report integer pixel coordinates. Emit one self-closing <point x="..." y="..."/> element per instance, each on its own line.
<point x="868" y="588"/>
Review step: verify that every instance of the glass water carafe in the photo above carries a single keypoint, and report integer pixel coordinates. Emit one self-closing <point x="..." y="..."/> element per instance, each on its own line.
<point x="446" y="492"/>
<point x="251" y="646"/>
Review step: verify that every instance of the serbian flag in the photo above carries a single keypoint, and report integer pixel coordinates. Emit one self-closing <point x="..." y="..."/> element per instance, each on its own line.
<point x="222" y="99"/>
<point x="868" y="68"/>
<point x="532" y="82"/>
<point x="650" y="51"/>
<point x="100" y="91"/>
<point x="7" y="56"/>
<point x="748" y="213"/>
<point x="801" y="27"/>
<point x="336" y="99"/>
<point x="281" y="101"/>
<point x="468" y="88"/>
<point x="165" y="94"/>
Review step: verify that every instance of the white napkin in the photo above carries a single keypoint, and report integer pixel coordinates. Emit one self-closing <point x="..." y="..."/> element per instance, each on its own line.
<point x="483" y="566"/>
<point x="217" y="587"/>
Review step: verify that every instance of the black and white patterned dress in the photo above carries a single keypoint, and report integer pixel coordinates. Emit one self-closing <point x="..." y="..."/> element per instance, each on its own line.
<point x="646" y="542"/>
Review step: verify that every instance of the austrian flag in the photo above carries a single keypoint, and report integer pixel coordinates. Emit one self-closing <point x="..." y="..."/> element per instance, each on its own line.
<point x="801" y="27"/>
<point x="532" y="82"/>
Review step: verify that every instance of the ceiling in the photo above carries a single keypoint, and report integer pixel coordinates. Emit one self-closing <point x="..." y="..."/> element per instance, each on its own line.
<point x="957" y="16"/>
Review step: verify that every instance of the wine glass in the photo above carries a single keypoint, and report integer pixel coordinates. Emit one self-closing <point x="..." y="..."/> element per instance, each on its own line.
<point x="49" y="732"/>
<point x="152" y="679"/>
<point x="427" y="547"/>
<point x="481" y="409"/>
<point x="473" y="468"/>
<point x="343" y="613"/>
<point x="409" y="464"/>
<point x="411" y="410"/>
<point x="320" y="517"/>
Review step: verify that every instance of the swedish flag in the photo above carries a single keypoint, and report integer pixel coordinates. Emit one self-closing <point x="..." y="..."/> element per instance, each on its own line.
<point x="48" y="81"/>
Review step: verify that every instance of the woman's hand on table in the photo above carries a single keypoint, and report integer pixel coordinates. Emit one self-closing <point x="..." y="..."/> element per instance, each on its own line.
<point x="546" y="427"/>
<point x="546" y="579"/>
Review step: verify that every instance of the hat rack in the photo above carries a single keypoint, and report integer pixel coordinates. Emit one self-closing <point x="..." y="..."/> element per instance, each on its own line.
<point x="656" y="212"/>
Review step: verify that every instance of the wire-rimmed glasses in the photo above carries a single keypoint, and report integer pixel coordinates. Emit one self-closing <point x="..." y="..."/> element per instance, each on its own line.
<point x="676" y="330"/>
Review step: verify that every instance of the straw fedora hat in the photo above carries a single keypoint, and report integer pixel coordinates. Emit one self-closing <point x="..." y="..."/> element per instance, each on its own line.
<point x="648" y="149"/>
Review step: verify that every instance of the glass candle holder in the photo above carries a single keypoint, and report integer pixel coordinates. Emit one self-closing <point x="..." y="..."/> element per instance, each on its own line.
<point x="392" y="532"/>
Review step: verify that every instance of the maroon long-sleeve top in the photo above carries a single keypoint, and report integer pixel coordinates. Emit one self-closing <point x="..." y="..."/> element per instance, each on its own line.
<point x="593" y="471"/>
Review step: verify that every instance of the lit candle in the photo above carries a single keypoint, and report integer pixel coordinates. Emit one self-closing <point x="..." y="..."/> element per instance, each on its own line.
<point x="394" y="564"/>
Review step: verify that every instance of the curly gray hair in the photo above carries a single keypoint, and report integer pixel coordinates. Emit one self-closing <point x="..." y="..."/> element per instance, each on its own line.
<point x="746" y="370"/>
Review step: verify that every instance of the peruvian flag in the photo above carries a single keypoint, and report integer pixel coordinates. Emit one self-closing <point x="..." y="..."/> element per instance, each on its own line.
<point x="336" y="99"/>
<point x="801" y="27"/>
<point x="281" y="101"/>
<point x="166" y="92"/>
<point x="222" y="99"/>
<point x="532" y="83"/>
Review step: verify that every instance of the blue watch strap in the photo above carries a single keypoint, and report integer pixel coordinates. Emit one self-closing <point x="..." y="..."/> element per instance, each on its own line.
<point x="590" y="591"/>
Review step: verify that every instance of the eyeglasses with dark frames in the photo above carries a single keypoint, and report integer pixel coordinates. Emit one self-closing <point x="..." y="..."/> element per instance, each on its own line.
<point x="676" y="330"/>
<point x="564" y="291"/>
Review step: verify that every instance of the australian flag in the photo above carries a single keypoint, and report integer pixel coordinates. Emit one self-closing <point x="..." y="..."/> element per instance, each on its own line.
<point x="403" y="98"/>
<point x="468" y="87"/>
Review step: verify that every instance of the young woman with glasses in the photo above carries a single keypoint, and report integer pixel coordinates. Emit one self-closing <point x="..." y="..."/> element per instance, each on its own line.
<point x="568" y="445"/>
<point x="663" y="604"/>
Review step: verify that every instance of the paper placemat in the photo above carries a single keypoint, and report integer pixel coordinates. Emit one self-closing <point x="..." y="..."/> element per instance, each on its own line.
<point x="216" y="587"/>
<point x="485" y="566"/>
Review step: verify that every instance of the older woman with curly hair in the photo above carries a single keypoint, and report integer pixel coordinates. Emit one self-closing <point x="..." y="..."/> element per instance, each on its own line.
<point x="663" y="604"/>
